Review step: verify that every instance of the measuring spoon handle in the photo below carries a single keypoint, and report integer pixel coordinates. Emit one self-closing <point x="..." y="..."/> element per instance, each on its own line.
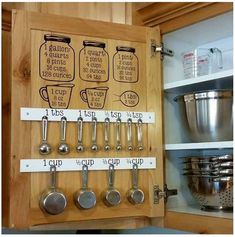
<point x="80" y="129"/>
<point x="44" y="128"/>
<point x="63" y="127"/>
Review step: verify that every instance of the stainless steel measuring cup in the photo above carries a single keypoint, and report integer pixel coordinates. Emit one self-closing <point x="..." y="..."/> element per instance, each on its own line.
<point x="44" y="147"/>
<point x="135" y="195"/>
<point x="85" y="198"/>
<point x="111" y="196"/>
<point x="53" y="200"/>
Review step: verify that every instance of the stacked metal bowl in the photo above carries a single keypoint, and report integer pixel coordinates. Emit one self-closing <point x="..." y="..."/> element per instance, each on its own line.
<point x="210" y="180"/>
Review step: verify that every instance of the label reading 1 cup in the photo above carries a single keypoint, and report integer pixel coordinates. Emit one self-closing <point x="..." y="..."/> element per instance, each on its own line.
<point x="57" y="96"/>
<point x="57" y="59"/>
<point x="93" y="62"/>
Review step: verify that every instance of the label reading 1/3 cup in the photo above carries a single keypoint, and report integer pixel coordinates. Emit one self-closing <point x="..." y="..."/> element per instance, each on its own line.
<point x="93" y="62"/>
<point x="56" y="59"/>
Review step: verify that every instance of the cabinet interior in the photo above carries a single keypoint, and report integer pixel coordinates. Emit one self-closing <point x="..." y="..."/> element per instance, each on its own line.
<point x="215" y="32"/>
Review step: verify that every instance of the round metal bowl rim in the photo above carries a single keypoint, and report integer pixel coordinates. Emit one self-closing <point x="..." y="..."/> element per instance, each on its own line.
<point x="205" y="94"/>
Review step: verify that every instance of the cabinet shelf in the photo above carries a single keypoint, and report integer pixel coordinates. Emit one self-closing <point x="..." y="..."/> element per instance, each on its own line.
<point x="195" y="209"/>
<point x="223" y="79"/>
<point x="199" y="145"/>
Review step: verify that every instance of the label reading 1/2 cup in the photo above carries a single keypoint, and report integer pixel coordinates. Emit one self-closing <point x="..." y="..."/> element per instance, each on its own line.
<point x="57" y="59"/>
<point x="93" y="62"/>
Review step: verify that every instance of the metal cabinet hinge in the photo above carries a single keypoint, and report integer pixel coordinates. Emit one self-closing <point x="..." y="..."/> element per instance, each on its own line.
<point x="158" y="193"/>
<point x="160" y="48"/>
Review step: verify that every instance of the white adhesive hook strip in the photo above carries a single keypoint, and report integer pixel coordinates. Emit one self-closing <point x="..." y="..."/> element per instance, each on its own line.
<point x="36" y="114"/>
<point x="75" y="164"/>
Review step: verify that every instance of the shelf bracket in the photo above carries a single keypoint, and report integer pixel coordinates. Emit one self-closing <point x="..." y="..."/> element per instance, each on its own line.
<point x="160" y="48"/>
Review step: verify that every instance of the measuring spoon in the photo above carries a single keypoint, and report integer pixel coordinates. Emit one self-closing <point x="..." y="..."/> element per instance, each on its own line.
<point x="135" y="195"/>
<point x="80" y="147"/>
<point x="139" y="135"/>
<point x="106" y="134"/>
<point x="63" y="148"/>
<point x="94" y="146"/>
<point x="53" y="201"/>
<point x="112" y="196"/>
<point x="129" y="134"/>
<point x="118" y="135"/>
<point x="85" y="198"/>
<point x="44" y="147"/>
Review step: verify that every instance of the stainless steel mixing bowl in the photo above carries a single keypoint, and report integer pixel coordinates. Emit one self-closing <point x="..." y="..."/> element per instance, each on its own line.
<point x="207" y="115"/>
<point x="211" y="192"/>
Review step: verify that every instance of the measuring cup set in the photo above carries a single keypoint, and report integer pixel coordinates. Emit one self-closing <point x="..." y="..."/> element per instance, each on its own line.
<point x="63" y="147"/>
<point x="53" y="201"/>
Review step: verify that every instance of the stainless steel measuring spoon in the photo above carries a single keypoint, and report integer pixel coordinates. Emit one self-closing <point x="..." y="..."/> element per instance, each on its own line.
<point x="80" y="147"/>
<point x="94" y="146"/>
<point x="139" y="135"/>
<point x="118" y="135"/>
<point x="106" y="134"/>
<point x="129" y="134"/>
<point x="44" y="147"/>
<point x="85" y="198"/>
<point x="63" y="147"/>
<point x="111" y="196"/>
<point x="53" y="201"/>
<point x="135" y="195"/>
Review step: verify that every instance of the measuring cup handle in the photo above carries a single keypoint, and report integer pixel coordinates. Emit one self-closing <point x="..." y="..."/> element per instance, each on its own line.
<point x="218" y="56"/>
<point x="135" y="176"/>
<point x="43" y="93"/>
<point x="111" y="176"/>
<point x="83" y="95"/>
<point x="84" y="176"/>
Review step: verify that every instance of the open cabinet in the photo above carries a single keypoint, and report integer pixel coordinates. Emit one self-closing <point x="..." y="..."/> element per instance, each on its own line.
<point x="206" y="34"/>
<point x="112" y="69"/>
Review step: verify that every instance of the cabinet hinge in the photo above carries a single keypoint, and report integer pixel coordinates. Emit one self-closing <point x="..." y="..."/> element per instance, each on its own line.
<point x="158" y="193"/>
<point x="160" y="48"/>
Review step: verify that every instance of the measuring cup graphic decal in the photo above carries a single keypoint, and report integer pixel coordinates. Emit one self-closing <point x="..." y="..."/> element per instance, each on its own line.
<point x="58" y="96"/>
<point x="128" y="98"/>
<point x="94" y="97"/>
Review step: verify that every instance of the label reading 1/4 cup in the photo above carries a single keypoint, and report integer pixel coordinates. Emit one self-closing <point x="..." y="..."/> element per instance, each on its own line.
<point x="93" y="62"/>
<point x="57" y="59"/>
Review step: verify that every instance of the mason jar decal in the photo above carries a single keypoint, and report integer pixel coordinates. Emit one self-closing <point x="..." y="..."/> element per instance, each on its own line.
<point x="93" y="62"/>
<point x="57" y="59"/>
<point x="125" y="65"/>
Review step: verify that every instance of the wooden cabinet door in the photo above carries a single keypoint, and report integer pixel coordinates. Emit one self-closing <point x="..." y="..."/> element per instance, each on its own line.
<point x="37" y="83"/>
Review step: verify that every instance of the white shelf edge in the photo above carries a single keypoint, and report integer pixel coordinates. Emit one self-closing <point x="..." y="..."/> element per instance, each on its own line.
<point x="195" y="210"/>
<point x="200" y="145"/>
<point x="210" y="77"/>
